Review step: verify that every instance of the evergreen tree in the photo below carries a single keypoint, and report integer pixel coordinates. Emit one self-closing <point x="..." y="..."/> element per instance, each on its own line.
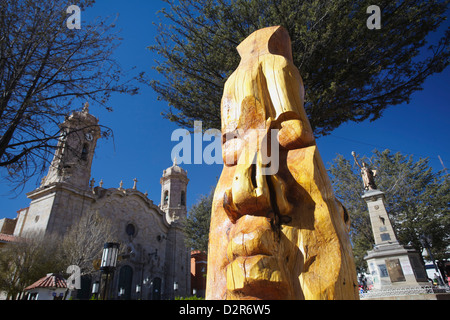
<point x="350" y="73"/>
<point x="417" y="201"/>
<point x="197" y="223"/>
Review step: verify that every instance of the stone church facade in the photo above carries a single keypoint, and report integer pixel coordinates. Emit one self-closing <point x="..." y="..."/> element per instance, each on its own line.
<point x="158" y="263"/>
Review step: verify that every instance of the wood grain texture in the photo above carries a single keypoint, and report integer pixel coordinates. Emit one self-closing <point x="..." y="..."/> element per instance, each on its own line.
<point x="281" y="235"/>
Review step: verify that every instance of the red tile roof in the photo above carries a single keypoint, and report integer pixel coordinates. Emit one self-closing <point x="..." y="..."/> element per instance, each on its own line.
<point x="49" y="281"/>
<point x="7" y="238"/>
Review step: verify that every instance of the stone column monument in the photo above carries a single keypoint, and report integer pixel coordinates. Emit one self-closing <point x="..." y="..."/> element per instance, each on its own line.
<point x="395" y="269"/>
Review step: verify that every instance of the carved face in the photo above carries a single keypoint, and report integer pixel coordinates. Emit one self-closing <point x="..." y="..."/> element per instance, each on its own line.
<point x="276" y="230"/>
<point x="256" y="225"/>
<point x="259" y="256"/>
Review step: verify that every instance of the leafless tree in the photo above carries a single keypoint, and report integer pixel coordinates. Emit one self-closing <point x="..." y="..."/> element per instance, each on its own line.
<point x="27" y="260"/>
<point x="46" y="70"/>
<point x="34" y="255"/>
<point x="83" y="243"/>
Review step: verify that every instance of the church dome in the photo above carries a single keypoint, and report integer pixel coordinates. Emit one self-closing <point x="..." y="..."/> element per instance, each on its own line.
<point x="175" y="169"/>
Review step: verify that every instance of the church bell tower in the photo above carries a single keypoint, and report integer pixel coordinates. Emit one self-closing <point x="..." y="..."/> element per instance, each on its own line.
<point x="173" y="192"/>
<point x="64" y="194"/>
<point x="173" y="202"/>
<point x="73" y="157"/>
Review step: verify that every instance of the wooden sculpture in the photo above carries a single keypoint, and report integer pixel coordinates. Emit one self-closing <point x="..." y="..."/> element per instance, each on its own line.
<point x="277" y="231"/>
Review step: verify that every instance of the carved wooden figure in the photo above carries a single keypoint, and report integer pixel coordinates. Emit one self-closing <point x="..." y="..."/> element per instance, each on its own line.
<point x="277" y="231"/>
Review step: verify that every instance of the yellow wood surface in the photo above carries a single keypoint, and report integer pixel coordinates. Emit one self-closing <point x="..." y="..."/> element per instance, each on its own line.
<point x="278" y="236"/>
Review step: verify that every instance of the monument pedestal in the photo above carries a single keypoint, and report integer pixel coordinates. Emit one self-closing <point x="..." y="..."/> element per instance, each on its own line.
<point x="393" y="267"/>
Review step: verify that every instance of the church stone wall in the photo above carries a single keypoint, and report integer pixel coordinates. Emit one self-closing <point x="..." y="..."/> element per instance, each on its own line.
<point x="36" y="219"/>
<point x="53" y="210"/>
<point x="147" y="247"/>
<point x="154" y="253"/>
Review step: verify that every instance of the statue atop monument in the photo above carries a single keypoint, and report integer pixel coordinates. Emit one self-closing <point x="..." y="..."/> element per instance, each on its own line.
<point x="368" y="175"/>
<point x="278" y="233"/>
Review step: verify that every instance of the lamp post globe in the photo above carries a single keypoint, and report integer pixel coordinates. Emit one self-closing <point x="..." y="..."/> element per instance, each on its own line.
<point x="108" y="262"/>
<point x="109" y="257"/>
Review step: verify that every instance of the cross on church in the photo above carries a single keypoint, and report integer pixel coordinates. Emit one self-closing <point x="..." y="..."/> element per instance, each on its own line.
<point x="135" y="183"/>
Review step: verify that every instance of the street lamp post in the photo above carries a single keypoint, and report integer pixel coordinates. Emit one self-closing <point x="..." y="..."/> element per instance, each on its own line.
<point x="121" y="293"/>
<point x="139" y="291"/>
<point x="95" y="289"/>
<point x="175" y="289"/>
<point x="109" y="261"/>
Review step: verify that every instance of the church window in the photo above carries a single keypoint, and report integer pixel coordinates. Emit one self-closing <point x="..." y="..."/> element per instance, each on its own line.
<point x="84" y="152"/>
<point x="183" y="198"/>
<point x="166" y="197"/>
<point x="130" y="229"/>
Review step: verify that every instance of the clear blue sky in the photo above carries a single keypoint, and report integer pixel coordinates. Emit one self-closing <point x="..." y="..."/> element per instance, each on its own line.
<point x="142" y="145"/>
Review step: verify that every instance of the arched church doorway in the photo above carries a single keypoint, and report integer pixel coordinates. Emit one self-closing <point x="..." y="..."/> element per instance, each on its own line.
<point x="156" y="292"/>
<point x="125" y="281"/>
